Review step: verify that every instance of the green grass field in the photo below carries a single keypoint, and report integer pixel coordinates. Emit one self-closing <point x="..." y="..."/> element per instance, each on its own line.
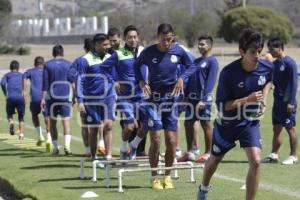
<point x="32" y="171"/>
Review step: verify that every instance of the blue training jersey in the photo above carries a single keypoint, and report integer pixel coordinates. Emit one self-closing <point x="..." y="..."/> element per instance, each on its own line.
<point x="235" y="83"/>
<point x="285" y="79"/>
<point x="201" y="84"/>
<point x="12" y="85"/>
<point x="55" y="80"/>
<point x="35" y="75"/>
<point x="94" y="81"/>
<point x="163" y="67"/>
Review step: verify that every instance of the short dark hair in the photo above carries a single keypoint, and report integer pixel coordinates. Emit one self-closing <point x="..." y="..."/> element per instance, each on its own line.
<point x="130" y="28"/>
<point x="165" y="28"/>
<point x="206" y="37"/>
<point x="88" y="44"/>
<point x="58" y="50"/>
<point x="14" y="65"/>
<point x="39" y="60"/>
<point x="276" y="42"/>
<point x="113" y="31"/>
<point x="251" y="39"/>
<point x="99" y="37"/>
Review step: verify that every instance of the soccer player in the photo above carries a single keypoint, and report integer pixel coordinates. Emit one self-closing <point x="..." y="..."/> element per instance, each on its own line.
<point x="96" y="94"/>
<point x="129" y="93"/>
<point x="241" y="99"/>
<point x="114" y="36"/>
<point x="13" y="88"/>
<point x="35" y="76"/>
<point x="199" y="94"/>
<point x="163" y="88"/>
<point x="57" y="88"/>
<point x="285" y="80"/>
<point x="72" y="77"/>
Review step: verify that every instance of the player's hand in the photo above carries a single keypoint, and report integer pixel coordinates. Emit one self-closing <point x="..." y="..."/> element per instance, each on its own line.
<point x="120" y="88"/>
<point x="290" y="108"/>
<point x="255" y="97"/>
<point x="200" y="105"/>
<point x="43" y="104"/>
<point x="261" y="109"/>
<point x="81" y="108"/>
<point x="145" y="88"/>
<point x="73" y="100"/>
<point x="178" y="88"/>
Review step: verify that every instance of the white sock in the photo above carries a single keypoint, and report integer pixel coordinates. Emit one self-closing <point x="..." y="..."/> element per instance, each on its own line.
<point x="124" y="146"/>
<point x="204" y="188"/>
<point x="39" y="134"/>
<point x="67" y="141"/>
<point x="101" y="143"/>
<point x="153" y="177"/>
<point x="108" y="156"/>
<point x="55" y="144"/>
<point x="49" y="139"/>
<point x="136" y="141"/>
<point x="87" y="150"/>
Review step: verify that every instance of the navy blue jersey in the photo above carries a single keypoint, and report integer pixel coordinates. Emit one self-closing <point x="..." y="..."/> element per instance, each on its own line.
<point x="12" y="85"/>
<point x="201" y="84"/>
<point x="163" y="67"/>
<point x="35" y="75"/>
<point x="94" y="81"/>
<point x="285" y="79"/>
<point x="55" y="80"/>
<point x="235" y="83"/>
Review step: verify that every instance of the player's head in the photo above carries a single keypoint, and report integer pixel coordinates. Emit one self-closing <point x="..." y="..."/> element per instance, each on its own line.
<point x="114" y="36"/>
<point x="88" y="44"/>
<point x="101" y="43"/>
<point x="275" y="47"/>
<point x="166" y="35"/>
<point x="251" y="44"/>
<point x="131" y="36"/>
<point x="39" y="61"/>
<point x="58" y="50"/>
<point x="205" y="44"/>
<point x="14" y="65"/>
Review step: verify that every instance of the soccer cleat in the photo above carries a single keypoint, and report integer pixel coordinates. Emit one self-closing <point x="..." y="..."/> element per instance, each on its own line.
<point x="48" y="147"/>
<point x="168" y="183"/>
<point x="178" y="153"/>
<point x="202" y="194"/>
<point x="272" y="158"/>
<point x="203" y="158"/>
<point x="11" y="129"/>
<point x="101" y="150"/>
<point x="68" y="151"/>
<point x="290" y="160"/>
<point x="55" y="152"/>
<point x="132" y="153"/>
<point x="40" y="142"/>
<point x="156" y="184"/>
<point x="21" y="136"/>
<point x="186" y="157"/>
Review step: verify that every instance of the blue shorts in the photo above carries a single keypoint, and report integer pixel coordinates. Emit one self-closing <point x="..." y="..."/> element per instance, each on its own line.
<point x="194" y="114"/>
<point x="280" y="116"/>
<point x="161" y="114"/>
<point x="97" y="111"/>
<point x="13" y="104"/>
<point x="35" y="107"/>
<point x="224" y="139"/>
<point x="62" y="108"/>
<point x="131" y="111"/>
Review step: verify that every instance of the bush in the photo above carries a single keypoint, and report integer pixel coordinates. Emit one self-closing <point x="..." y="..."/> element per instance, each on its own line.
<point x="269" y="22"/>
<point x="10" y="49"/>
<point x="23" y="50"/>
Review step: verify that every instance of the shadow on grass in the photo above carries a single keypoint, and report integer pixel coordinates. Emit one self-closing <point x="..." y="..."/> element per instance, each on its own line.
<point x="51" y="166"/>
<point x="234" y="161"/>
<point x="127" y="187"/>
<point x="21" y="149"/>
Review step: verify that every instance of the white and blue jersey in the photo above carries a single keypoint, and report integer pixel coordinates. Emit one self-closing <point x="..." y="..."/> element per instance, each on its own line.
<point x="285" y="80"/>
<point x="240" y="123"/>
<point x="162" y="76"/>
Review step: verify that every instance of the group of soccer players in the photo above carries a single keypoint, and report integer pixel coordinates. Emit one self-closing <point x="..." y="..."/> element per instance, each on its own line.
<point x="150" y="87"/>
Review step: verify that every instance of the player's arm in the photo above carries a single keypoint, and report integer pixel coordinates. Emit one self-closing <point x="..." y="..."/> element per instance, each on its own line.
<point x="3" y="84"/>
<point x="292" y="86"/>
<point x="139" y="62"/>
<point x="45" y="87"/>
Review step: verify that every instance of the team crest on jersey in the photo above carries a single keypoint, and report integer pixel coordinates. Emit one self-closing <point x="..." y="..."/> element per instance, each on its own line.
<point x="174" y="59"/>
<point x="203" y="65"/>
<point x="154" y="60"/>
<point x="262" y="80"/>
<point x="282" y="68"/>
<point x="241" y="84"/>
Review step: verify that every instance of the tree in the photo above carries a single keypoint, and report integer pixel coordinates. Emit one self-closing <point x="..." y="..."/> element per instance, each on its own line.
<point x="265" y="20"/>
<point x="5" y="11"/>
